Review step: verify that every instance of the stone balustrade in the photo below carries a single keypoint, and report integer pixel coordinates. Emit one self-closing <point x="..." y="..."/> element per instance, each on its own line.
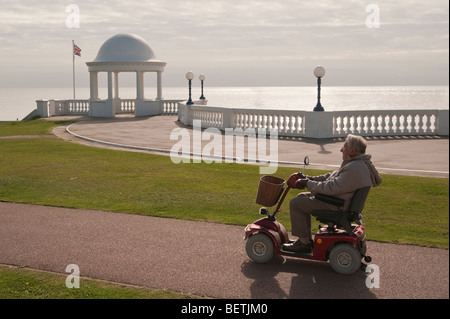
<point x="286" y="122"/>
<point x="47" y="108"/>
<point x="320" y="124"/>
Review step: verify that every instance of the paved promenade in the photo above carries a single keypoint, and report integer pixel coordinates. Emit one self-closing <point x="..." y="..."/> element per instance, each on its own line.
<point x="417" y="156"/>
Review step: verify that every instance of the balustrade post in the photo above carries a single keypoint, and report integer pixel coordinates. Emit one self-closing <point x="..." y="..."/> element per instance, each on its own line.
<point x="227" y="118"/>
<point x="318" y="124"/>
<point x="441" y="122"/>
<point x="42" y="108"/>
<point x="52" y="109"/>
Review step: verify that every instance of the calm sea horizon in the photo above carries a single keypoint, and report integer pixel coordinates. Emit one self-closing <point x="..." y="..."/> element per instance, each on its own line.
<point x="16" y="103"/>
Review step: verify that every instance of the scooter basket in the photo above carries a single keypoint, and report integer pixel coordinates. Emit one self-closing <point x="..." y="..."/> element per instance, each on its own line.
<point x="269" y="190"/>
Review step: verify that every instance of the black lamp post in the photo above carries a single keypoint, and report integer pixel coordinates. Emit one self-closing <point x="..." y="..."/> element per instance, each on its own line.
<point x="319" y="72"/>
<point x="202" y="78"/>
<point x="189" y="76"/>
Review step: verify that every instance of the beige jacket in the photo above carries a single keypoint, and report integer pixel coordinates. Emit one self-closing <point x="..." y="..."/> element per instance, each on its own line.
<point x="352" y="175"/>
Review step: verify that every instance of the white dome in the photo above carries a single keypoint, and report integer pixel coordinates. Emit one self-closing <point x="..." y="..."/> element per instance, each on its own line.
<point x="125" y="48"/>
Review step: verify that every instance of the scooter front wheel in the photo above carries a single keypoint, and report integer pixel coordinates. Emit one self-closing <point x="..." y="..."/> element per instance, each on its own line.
<point x="259" y="248"/>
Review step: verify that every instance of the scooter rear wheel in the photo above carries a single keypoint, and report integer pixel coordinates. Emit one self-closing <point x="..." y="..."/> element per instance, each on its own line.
<point x="345" y="259"/>
<point x="259" y="248"/>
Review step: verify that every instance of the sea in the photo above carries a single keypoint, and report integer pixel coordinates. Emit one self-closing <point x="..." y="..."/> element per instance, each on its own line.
<point x="16" y="103"/>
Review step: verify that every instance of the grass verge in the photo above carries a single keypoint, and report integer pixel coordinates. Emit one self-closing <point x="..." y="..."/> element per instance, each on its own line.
<point x="34" y="127"/>
<point x="20" y="283"/>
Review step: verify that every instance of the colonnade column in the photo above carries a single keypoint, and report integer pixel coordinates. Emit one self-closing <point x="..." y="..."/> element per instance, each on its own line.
<point x="93" y="85"/>
<point x="159" y="85"/>
<point x="116" y="100"/>
<point x="139" y="85"/>
<point x="110" y="89"/>
<point x="116" y="85"/>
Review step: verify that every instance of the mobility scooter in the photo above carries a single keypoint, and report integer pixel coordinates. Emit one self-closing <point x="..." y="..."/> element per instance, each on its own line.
<point x="341" y="242"/>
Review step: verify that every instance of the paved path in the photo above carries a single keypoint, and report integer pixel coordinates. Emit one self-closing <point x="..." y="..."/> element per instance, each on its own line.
<point x="200" y="258"/>
<point x="207" y="258"/>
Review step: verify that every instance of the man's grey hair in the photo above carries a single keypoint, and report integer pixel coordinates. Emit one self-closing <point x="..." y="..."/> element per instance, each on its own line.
<point x="357" y="142"/>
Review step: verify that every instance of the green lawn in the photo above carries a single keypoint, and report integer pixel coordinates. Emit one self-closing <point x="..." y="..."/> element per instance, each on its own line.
<point x="36" y="127"/>
<point x="54" y="172"/>
<point x="20" y="283"/>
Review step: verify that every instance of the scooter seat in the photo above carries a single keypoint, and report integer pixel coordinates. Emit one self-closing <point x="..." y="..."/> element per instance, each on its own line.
<point x="342" y="219"/>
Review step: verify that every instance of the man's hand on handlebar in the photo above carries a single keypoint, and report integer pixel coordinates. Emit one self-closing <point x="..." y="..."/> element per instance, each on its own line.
<point x="297" y="180"/>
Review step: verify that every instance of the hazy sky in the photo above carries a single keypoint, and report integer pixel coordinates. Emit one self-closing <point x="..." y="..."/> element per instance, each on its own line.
<point x="234" y="42"/>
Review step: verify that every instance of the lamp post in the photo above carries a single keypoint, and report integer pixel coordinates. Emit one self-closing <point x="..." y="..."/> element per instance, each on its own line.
<point x="189" y="76"/>
<point x="319" y="72"/>
<point x="202" y="78"/>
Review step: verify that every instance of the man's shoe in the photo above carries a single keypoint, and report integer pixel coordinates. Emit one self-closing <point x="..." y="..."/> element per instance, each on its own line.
<point x="298" y="247"/>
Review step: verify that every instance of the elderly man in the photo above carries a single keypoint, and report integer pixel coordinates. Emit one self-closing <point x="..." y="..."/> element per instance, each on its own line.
<point x="356" y="171"/>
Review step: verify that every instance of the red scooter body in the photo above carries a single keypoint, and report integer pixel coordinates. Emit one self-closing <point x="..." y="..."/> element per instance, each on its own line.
<point x="323" y="239"/>
<point x="266" y="236"/>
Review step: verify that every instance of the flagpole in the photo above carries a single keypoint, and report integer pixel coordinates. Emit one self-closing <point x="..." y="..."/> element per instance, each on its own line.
<point x="73" y="67"/>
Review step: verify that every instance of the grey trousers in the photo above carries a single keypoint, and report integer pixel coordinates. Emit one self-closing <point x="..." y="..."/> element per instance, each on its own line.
<point x="300" y="211"/>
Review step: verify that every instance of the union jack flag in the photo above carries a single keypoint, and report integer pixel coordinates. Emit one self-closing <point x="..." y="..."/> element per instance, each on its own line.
<point x="76" y="50"/>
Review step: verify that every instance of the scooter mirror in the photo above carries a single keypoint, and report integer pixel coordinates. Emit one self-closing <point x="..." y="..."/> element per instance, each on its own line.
<point x="306" y="160"/>
<point x="306" y="163"/>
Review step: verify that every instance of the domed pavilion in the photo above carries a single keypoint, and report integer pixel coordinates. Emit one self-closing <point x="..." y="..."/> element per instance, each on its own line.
<point x="124" y="53"/>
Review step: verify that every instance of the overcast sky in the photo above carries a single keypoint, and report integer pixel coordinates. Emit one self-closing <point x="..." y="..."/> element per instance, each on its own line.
<point x="234" y="42"/>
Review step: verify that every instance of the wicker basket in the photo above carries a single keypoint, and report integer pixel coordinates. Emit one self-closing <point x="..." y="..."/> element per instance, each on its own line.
<point x="269" y="190"/>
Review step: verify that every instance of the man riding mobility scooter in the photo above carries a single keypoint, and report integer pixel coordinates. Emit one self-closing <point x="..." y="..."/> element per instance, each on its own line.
<point x="341" y="243"/>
